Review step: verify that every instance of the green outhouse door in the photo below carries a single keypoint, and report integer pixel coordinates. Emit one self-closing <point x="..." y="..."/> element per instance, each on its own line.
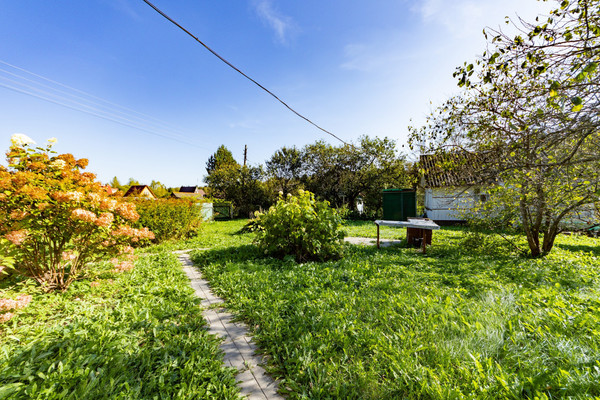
<point x="399" y="204"/>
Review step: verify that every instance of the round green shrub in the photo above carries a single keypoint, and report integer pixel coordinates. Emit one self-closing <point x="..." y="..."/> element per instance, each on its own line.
<point x="170" y="218"/>
<point x="302" y="227"/>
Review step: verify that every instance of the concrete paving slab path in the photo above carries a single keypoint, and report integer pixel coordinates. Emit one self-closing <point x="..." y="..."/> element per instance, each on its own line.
<point x="240" y="351"/>
<point x="372" y="242"/>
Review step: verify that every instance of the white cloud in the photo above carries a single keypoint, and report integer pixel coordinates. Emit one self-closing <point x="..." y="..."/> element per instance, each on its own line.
<point x="463" y="18"/>
<point x="383" y="54"/>
<point x="282" y="25"/>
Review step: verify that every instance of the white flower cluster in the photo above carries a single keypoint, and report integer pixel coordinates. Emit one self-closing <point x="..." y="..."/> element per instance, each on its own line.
<point x="58" y="164"/>
<point x="20" y="140"/>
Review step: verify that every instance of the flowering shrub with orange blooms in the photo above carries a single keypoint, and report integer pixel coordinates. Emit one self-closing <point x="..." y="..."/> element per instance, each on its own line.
<point x="57" y="218"/>
<point x="13" y="304"/>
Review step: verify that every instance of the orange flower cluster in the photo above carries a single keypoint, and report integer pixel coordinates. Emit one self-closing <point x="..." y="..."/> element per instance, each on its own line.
<point x="18" y="215"/>
<point x="94" y="198"/>
<point x="43" y="206"/>
<point x="37" y="166"/>
<point x="34" y="192"/>
<point x="105" y="220"/>
<point x="63" y="197"/>
<point x="133" y="233"/>
<point x="127" y="211"/>
<point x="69" y="256"/>
<point x="58" y="164"/>
<point x="124" y="266"/>
<point x="83" y="215"/>
<point x="17" y="237"/>
<point x="20" y="302"/>
<point x="108" y="204"/>
<point x="6" y="317"/>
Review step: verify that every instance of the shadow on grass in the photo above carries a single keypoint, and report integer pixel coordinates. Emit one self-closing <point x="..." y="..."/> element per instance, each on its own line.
<point x="476" y="271"/>
<point x="136" y="358"/>
<point x="595" y="250"/>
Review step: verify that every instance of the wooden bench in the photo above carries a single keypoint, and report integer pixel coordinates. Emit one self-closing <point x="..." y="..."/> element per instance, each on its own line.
<point x="415" y="228"/>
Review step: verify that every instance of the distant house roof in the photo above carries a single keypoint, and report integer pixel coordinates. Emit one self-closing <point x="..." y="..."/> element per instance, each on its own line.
<point x="140" y="191"/>
<point x="193" y="190"/>
<point x="449" y="169"/>
<point x="179" y="195"/>
<point x="110" y="190"/>
<point x="190" y="189"/>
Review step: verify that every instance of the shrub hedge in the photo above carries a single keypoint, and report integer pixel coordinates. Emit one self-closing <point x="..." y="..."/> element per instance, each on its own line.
<point x="170" y="218"/>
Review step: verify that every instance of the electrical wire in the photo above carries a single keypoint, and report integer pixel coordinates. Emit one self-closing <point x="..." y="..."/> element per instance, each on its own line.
<point x="19" y="90"/>
<point x="239" y="71"/>
<point x="82" y="104"/>
<point x="126" y="109"/>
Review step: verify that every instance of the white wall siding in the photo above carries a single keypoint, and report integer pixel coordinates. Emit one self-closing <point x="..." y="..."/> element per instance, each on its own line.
<point x="448" y="203"/>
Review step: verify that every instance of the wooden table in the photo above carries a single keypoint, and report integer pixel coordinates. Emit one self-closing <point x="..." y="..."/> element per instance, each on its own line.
<point x="412" y="223"/>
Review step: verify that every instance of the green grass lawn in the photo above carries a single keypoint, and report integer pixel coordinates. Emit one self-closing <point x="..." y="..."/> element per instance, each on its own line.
<point x="471" y="319"/>
<point x="135" y="335"/>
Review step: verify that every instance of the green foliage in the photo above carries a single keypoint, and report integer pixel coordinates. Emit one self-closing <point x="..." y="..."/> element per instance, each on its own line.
<point x="394" y="323"/>
<point x="170" y="218"/>
<point x="285" y="168"/>
<point x="7" y="257"/>
<point x="528" y="116"/>
<point x="221" y="158"/>
<point x="343" y="174"/>
<point x="159" y="189"/>
<point x="241" y="185"/>
<point x="58" y="218"/>
<point x="137" y="335"/>
<point x="301" y="227"/>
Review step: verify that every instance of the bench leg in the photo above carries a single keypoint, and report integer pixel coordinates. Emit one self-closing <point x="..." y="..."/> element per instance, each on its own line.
<point x="377" y="236"/>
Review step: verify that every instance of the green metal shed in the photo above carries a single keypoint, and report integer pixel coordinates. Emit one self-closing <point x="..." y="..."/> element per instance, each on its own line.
<point x="399" y="204"/>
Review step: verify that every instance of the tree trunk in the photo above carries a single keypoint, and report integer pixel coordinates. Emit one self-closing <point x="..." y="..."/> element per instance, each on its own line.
<point x="532" y="232"/>
<point x="549" y="238"/>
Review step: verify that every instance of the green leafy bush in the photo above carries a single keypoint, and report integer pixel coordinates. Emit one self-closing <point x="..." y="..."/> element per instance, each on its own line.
<point x="170" y="218"/>
<point x="301" y="227"/>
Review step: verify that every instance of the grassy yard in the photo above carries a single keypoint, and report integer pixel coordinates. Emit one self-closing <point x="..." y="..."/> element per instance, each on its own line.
<point x="471" y="319"/>
<point x="135" y="335"/>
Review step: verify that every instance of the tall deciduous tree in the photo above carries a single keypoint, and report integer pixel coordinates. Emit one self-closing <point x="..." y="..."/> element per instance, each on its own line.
<point x="284" y="168"/>
<point x="530" y="116"/>
<point x="242" y="185"/>
<point x="342" y="174"/>
<point x="159" y="189"/>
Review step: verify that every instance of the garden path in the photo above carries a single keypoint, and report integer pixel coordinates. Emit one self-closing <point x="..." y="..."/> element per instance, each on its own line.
<point x="237" y="345"/>
<point x="372" y="242"/>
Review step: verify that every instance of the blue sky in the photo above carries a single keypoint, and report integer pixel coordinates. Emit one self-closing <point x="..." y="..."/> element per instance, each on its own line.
<point x="353" y="67"/>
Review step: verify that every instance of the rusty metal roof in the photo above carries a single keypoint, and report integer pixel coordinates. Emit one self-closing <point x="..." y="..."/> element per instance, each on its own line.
<point x="448" y="169"/>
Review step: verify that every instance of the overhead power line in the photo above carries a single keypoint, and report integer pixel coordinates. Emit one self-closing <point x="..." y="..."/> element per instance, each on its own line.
<point x="239" y="71"/>
<point x="79" y="100"/>
<point x="100" y="101"/>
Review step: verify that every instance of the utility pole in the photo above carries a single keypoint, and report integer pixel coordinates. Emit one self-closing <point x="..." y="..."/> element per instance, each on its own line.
<point x="245" y="154"/>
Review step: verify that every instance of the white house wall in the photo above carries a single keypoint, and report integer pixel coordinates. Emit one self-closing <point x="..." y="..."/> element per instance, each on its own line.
<point x="447" y="203"/>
